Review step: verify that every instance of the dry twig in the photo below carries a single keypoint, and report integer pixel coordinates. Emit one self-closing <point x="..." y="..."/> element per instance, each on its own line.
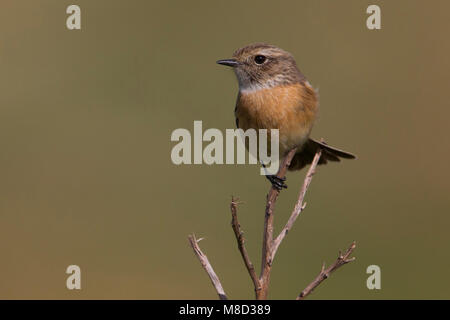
<point x="241" y="245"/>
<point x="266" y="260"/>
<point x="325" y="273"/>
<point x="207" y="266"/>
<point x="299" y="205"/>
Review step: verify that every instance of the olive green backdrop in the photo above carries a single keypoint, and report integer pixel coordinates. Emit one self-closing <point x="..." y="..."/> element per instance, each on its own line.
<point x="85" y="170"/>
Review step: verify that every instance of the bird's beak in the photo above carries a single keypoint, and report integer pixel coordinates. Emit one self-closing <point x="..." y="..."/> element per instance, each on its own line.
<point x="228" y="62"/>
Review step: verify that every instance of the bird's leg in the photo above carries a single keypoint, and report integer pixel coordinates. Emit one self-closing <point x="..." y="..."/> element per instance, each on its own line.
<point x="276" y="181"/>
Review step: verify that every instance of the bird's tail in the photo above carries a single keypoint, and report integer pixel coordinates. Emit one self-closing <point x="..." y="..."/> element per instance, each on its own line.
<point x="306" y="155"/>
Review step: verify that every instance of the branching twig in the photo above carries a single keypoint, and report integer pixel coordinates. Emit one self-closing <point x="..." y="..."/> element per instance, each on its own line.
<point x="271" y="245"/>
<point x="207" y="266"/>
<point x="241" y="241"/>
<point x="325" y="273"/>
<point x="299" y="206"/>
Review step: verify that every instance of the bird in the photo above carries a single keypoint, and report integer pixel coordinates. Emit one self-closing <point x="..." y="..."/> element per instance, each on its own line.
<point x="274" y="94"/>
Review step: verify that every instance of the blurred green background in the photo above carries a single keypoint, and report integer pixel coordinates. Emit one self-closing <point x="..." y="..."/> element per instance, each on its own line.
<point x="85" y="170"/>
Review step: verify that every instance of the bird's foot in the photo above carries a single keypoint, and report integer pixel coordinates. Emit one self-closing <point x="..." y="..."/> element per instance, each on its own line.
<point x="277" y="182"/>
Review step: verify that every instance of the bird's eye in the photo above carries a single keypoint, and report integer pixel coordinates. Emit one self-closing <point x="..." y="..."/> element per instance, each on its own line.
<point x="259" y="59"/>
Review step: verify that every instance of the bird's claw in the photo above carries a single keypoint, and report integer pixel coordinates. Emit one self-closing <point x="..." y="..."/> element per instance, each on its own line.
<point x="277" y="182"/>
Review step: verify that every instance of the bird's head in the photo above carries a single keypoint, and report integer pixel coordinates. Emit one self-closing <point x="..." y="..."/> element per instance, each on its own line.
<point x="260" y="66"/>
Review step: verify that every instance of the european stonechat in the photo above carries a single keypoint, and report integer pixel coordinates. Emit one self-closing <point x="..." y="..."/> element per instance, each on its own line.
<point x="274" y="94"/>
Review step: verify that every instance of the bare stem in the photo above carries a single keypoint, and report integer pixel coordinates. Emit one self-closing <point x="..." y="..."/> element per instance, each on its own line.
<point x="207" y="266"/>
<point x="241" y="245"/>
<point x="325" y="273"/>
<point x="299" y="205"/>
<point x="266" y="260"/>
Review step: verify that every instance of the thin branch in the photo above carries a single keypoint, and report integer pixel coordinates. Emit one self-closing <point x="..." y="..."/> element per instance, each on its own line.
<point x="325" y="273"/>
<point x="207" y="266"/>
<point x="266" y="260"/>
<point x="241" y="245"/>
<point x="299" y="205"/>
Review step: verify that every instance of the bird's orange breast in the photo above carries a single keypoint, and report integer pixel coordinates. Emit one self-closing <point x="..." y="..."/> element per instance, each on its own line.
<point x="291" y="109"/>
